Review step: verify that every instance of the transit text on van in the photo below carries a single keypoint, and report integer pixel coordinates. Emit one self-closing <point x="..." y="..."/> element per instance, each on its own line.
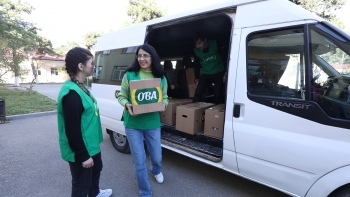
<point x="288" y="104"/>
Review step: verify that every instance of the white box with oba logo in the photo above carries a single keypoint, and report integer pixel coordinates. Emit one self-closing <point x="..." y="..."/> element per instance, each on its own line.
<point x="146" y="96"/>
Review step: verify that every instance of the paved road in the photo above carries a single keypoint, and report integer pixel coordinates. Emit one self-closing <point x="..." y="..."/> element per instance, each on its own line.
<point x="49" y="90"/>
<point x="30" y="165"/>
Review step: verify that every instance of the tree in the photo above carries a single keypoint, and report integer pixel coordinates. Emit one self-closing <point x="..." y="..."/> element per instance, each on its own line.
<point x="90" y="38"/>
<point x="4" y="66"/>
<point x="18" y="37"/>
<point x="336" y="21"/>
<point x="323" y="8"/>
<point x="143" y="10"/>
<point x="14" y="33"/>
<point x="63" y="49"/>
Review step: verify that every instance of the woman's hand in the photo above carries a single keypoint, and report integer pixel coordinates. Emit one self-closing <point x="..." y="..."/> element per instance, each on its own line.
<point x="130" y="110"/>
<point x="88" y="163"/>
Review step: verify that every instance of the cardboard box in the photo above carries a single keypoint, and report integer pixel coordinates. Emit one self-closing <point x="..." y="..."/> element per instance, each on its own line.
<point x="146" y="96"/>
<point x="190" y="76"/>
<point x="214" y="121"/>
<point x="190" y="118"/>
<point x="191" y="89"/>
<point x="169" y="115"/>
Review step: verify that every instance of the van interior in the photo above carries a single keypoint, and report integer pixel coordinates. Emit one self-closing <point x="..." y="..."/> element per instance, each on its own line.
<point x="175" y="41"/>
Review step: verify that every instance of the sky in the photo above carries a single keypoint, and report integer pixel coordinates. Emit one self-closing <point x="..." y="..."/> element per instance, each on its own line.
<point x="63" y="21"/>
<point x="69" y="20"/>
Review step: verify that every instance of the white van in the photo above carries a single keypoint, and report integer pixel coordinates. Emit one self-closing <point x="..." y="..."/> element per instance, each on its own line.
<point x="287" y="116"/>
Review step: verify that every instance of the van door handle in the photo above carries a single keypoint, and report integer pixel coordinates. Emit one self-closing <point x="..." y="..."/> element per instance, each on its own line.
<point x="236" y="111"/>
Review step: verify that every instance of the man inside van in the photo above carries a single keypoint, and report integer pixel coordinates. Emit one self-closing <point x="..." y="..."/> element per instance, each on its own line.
<point x="213" y="69"/>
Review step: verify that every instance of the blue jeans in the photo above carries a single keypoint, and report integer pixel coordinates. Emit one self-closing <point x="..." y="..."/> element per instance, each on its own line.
<point x="136" y="143"/>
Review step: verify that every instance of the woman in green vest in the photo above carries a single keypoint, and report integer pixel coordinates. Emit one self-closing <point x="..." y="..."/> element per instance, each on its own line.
<point x="79" y="126"/>
<point x="144" y="127"/>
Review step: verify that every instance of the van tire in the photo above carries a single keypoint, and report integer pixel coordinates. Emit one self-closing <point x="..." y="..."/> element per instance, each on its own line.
<point x="343" y="191"/>
<point x="120" y="142"/>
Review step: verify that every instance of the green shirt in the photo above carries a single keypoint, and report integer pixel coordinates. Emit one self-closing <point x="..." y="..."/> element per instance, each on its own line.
<point x="211" y="61"/>
<point x="141" y="121"/>
<point x="90" y="123"/>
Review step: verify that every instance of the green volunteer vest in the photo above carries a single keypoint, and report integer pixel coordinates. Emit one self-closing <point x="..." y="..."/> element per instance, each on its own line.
<point x="211" y="61"/>
<point x="90" y="123"/>
<point x="141" y="121"/>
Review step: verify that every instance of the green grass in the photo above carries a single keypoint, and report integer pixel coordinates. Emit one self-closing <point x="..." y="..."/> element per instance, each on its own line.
<point x="21" y="102"/>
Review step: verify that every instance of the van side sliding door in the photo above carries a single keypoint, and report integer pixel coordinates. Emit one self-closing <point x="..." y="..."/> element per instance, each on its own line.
<point x="286" y="133"/>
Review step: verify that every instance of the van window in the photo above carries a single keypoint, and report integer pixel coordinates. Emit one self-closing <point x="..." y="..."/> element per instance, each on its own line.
<point x="111" y="65"/>
<point x="276" y="63"/>
<point x="118" y="73"/>
<point x="330" y="76"/>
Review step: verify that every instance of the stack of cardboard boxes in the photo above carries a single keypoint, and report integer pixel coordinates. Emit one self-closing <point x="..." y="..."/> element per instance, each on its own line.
<point x="190" y="118"/>
<point x="169" y="115"/>
<point x="196" y="117"/>
<point x="214" y="121"/>
<point x="193" y="118"/>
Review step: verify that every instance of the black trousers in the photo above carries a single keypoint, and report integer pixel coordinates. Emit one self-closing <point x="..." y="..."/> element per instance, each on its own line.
<point x="204" y="81"/>
<point x="85" y="181"/>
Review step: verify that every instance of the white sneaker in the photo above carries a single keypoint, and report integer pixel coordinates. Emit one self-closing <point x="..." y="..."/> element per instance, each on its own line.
<point x="105" y="193"/>
<point x="159" y="177"/>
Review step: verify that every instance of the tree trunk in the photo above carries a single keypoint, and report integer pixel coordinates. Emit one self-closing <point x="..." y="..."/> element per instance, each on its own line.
<point x="35" y="72"/>
<point x="16" y="67"/>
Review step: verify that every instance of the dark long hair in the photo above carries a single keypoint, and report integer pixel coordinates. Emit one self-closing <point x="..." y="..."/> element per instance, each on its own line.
<point x="74" y="57"/>
<point x="156" y="68"/>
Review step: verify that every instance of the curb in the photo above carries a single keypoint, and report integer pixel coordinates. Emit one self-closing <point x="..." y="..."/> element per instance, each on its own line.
<point x="31" y="115"/>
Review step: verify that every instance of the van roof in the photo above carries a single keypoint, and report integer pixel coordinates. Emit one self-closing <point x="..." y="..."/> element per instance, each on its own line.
<point x="265" y="12"/>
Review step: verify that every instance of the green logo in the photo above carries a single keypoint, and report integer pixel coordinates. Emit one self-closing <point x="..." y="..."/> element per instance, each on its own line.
<point x="146" y="96"/>
<point x="116" y="93"/>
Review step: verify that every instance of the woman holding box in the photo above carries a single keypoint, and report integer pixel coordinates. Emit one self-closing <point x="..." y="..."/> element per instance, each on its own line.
<point x="144" y="127"/>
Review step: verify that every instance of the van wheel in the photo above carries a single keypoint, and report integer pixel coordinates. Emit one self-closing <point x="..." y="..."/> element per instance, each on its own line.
<point x="120" y="142"/>
<point x="343" y="191"/>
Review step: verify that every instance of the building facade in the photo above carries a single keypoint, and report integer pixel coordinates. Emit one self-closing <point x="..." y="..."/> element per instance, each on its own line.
<point x="49" y="69"/>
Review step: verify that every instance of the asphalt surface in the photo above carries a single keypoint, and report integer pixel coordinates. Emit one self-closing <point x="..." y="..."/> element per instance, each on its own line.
<point x="50" y="90"/>
<point x="30" y="165"/>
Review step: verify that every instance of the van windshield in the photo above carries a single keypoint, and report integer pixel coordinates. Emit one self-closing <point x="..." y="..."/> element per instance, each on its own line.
<point x="328" y="59"/>
<point x="330" y="72"/>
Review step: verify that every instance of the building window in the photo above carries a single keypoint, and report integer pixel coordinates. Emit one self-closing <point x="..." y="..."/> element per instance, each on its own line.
<point x="54" y="71"/>
<point x="39" y="72"/>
